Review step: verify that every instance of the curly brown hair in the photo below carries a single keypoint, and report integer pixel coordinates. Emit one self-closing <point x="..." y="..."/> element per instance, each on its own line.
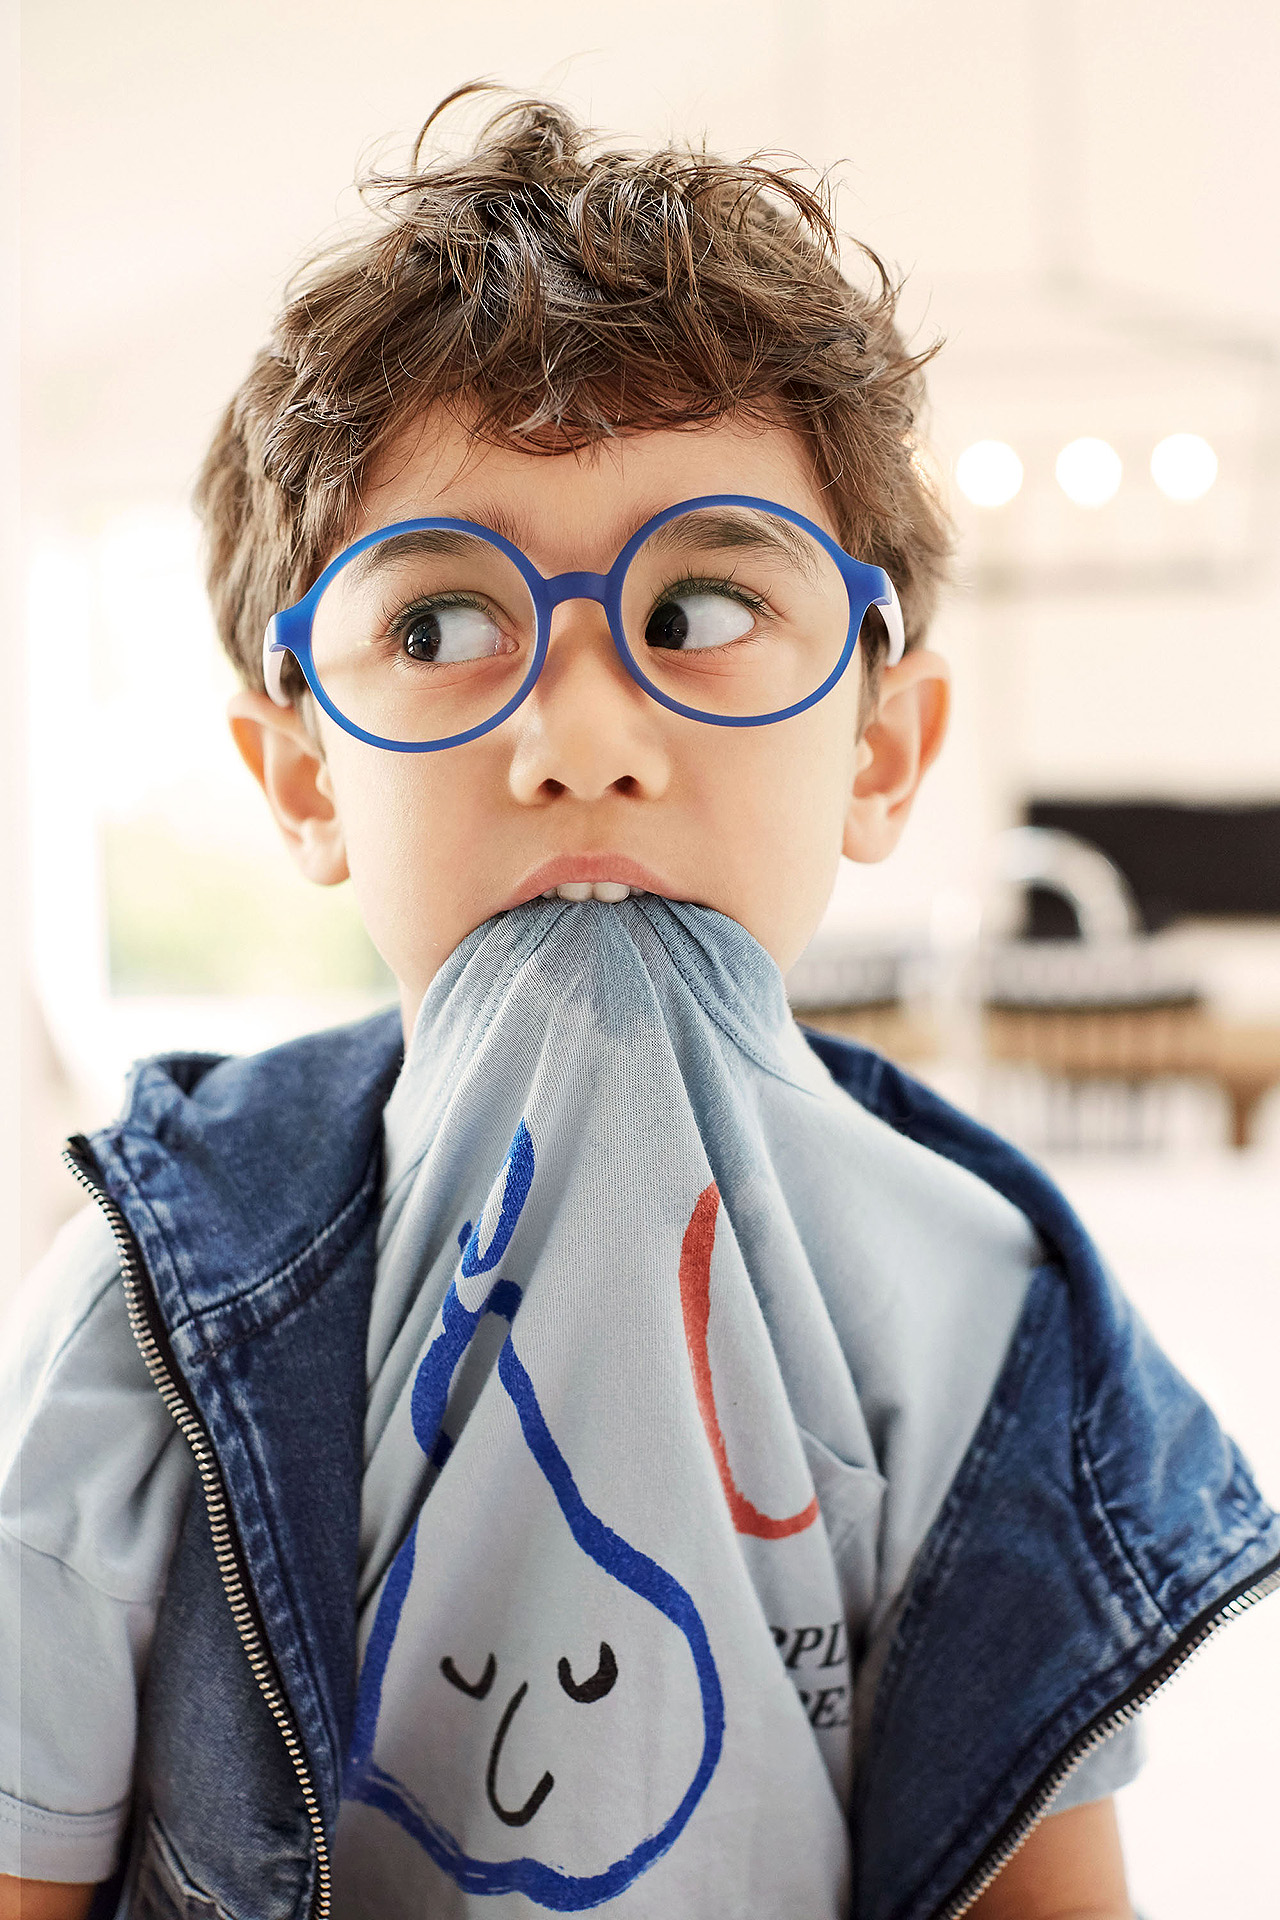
<point x="559" y="292"/>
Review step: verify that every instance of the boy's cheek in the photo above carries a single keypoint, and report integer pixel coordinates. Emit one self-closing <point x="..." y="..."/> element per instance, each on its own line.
<point x="407" y="860"/>
<point x="783" y="906"/>
<point x="779" y="845"/>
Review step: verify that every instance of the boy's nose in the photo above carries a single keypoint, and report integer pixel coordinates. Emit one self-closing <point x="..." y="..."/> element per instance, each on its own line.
<point x="587" y="729"/>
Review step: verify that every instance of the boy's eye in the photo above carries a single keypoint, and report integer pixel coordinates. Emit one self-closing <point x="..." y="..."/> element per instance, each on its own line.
<point x="697" y="619"/>
<point x="445" y="634"/>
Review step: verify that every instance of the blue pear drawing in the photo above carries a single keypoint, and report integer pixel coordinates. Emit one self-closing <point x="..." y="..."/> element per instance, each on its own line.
<point x="549" y="1723"/>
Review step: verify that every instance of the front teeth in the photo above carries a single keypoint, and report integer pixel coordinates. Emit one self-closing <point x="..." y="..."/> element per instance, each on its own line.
<point x="611" y="890"/>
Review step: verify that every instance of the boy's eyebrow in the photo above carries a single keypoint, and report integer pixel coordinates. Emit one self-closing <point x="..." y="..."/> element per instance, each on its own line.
<point x="400" y="545"/>
<point x="501" y="520"/>
<point x="725" y="529"/>
<point x="729" y="529"/>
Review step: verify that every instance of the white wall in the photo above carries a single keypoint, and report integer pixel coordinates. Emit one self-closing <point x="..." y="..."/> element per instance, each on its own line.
<point x="180" y="160"/>
<point x="12" y="737"/>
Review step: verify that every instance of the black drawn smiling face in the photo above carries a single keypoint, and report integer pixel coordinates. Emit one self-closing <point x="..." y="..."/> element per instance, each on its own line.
<point x="595" y="1687"/>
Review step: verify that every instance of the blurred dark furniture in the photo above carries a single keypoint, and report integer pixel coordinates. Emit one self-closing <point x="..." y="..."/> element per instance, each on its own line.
<point x="1180" y="860"/>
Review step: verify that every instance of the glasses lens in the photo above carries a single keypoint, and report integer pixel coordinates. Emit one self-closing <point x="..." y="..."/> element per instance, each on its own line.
<point x="424" y="635"/>
<point x="733" y="611"/>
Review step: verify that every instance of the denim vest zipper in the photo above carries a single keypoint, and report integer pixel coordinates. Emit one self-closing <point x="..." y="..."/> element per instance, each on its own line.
<point x="1028" y="1816"/>
<point x="153" y="1344"/>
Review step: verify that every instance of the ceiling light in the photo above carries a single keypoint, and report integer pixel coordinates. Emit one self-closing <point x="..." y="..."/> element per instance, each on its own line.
<point x="1184" y="466"/>
<point x="1088" y="471"/>
<point x="989" y="473"/>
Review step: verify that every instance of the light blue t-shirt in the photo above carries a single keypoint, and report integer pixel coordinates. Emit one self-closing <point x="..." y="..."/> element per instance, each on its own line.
<point x="673" y="1353"/>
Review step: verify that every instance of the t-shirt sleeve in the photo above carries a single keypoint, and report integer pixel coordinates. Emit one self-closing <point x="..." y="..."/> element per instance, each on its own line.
<point x="94" y="1480"/>
<point x="1109" y="1767"/>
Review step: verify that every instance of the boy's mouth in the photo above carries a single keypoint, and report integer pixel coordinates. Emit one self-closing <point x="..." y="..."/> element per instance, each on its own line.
<point x="589" y="876"/>
<point x="611" y="890"/>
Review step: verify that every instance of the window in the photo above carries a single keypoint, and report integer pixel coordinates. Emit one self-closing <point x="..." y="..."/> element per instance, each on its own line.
<point x="165" y="911"/>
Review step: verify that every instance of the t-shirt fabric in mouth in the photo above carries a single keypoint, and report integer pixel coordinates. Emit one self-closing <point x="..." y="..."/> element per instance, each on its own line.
<point x="668" y="1318"/>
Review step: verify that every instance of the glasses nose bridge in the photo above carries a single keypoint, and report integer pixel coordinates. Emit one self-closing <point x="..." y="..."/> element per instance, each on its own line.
<point x="576" y="586"/>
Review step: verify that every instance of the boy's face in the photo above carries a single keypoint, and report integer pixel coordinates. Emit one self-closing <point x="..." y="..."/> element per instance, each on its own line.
<point x="590" y="779"/>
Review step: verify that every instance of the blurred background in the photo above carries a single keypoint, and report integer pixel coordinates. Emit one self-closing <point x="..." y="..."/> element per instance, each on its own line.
<point x="1080" y="937"/>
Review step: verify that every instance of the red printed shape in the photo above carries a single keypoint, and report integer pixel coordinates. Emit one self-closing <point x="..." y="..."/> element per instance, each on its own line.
<point x="695" y="1301"/>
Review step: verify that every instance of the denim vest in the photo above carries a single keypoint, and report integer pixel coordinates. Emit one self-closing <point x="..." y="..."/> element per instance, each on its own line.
<point x="1100" y="1527"/>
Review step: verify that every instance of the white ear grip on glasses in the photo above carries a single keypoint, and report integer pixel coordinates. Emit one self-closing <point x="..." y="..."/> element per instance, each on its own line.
<point x="273" y="659"/>
<point x="892" y="614"/>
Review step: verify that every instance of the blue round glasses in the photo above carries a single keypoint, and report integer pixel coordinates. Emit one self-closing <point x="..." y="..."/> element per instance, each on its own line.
<point x="727" y="609"/>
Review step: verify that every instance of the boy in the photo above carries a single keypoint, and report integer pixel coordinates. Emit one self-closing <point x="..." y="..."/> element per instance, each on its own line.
<point x="613" y="1467"/>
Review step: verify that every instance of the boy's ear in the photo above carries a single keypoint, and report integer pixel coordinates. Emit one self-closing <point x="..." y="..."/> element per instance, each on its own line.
<point x="898" y="745"/>
<point x="285" y="759"/>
